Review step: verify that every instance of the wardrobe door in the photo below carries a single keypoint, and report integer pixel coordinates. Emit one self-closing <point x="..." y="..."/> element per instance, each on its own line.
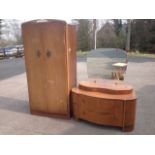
<point x="56" y="71"/>
<point x="34" y="63"/>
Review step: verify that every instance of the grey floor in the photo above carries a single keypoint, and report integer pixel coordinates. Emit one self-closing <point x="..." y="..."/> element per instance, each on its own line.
<point x="15" y="117"/>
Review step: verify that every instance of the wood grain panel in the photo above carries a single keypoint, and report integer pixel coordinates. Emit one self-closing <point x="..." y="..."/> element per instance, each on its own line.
<point x="56" y="82"/>
<point x="34" y="65"/>
<point x="100" y="111"/>
<point x="71" y="59"/>
<point x="71" y="49"/>
<point x="106" y="87"/>
<point x="49" y="50"/>
<point x="129" y="115"/>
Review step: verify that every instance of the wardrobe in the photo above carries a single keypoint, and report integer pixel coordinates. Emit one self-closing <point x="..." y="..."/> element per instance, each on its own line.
<point x="50" y="61"/>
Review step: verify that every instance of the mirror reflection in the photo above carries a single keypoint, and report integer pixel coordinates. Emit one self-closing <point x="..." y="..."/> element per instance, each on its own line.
<point x="107" y="63"/>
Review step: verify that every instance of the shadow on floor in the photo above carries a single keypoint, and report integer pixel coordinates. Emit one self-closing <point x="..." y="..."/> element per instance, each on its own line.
<point x="87" y="128"/>
<point x="147" y="93"/>
<point x="81" y="126"/>
<point x="146" y="99"/>
<point x="11" y="67"/>
<point x="14" y="105"/>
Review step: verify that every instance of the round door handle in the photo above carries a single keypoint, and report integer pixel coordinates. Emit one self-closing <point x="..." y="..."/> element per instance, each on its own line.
<point x="48" y="53"/>
<point x="38" y="53"/>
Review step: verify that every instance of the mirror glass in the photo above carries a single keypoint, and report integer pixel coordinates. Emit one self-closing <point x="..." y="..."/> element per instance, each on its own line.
<point x="107" y="63"/>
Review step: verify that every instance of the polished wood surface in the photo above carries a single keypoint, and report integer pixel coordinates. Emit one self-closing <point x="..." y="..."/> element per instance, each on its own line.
<point x="71" y="59"/>
<point x="106" y="87"/>
<point x="71" y="43"/>
<point x="47" y="45"/>
<point x="105" y="108"/>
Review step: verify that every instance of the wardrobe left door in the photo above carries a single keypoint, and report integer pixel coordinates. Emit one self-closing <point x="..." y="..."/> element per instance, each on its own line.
<point x="34" y="62"/>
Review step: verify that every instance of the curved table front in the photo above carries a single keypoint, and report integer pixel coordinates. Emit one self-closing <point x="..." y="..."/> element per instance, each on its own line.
<point x="105" y="102"/>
